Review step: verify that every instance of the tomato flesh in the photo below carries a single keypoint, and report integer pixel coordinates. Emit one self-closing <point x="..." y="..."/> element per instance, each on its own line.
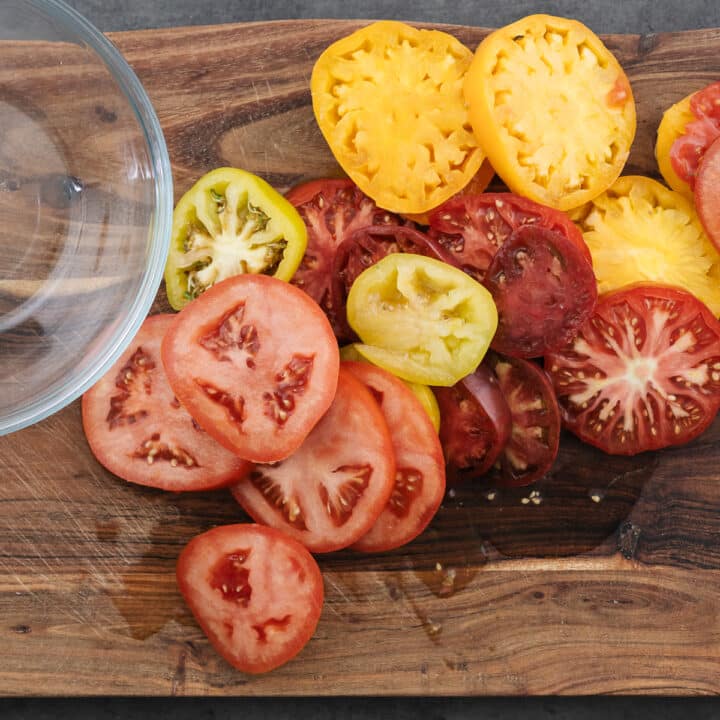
<point x="256" y="593"/>
<point x="707" y="193"/>
<point x="643" y="373"/>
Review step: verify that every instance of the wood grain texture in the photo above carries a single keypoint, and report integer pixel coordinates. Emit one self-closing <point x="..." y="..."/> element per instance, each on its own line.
<point x="609" y="585"/>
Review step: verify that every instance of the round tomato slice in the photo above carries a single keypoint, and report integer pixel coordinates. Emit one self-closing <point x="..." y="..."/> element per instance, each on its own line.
<point x="256" y="593"/>
<point x="475" y="424"/>
<point x="255" y="362"/>
<point x="473" y="227"/>
<point x="672" y="126"/>
<point x="535" y="431"/>
<point x="138" y="430"/>
<point x="331" y="491"/>
<point x="421" y="319"/>
<point x="544" y="289"/>
<point x="332" y="210"/>
<point x="707" y="198"/>
<point x="643" y="373"/>
<point x="419" y="467"/>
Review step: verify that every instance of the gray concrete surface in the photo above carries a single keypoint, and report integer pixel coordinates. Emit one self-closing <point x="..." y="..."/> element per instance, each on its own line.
<point x="639" y="16"/>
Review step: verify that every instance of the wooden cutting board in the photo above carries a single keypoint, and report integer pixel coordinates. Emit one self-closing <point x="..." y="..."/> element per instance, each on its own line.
<point x="610" y="584"/>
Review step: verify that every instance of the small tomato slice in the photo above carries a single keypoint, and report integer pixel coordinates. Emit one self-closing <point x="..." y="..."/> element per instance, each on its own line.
<point x="388" y="100"/>
<point x="256" y="593"/>
<point x="672" y="126"/>
<point x="552" y="108"/>
<point x="643" y="373"/>
<point x="138" y="430"/>
<point x="419" y="467"/>
<point x="639" y="231"/>
<point x="255" y="362"/>
<point x="473" y="227"/>
<point x="475" y="425"/>
<point x="229" y="223"/>
<point x="535" y="431"/>
<point x="421" y="319"/>
<point x="544" y="289"/>
<point x="707" y="193"/>
<point x="331" y="491"/>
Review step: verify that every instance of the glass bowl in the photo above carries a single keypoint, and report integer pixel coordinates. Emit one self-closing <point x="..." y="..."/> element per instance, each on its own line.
<point x="85" y="207"/>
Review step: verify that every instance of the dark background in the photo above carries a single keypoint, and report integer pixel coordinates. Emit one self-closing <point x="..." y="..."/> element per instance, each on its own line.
<point x="603" y="16"/>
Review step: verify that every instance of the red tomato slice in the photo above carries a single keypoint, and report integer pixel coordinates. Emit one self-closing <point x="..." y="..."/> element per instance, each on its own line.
<point x="475" y="424"/>
<point x="256" y="593"/>
<point x="473" y="227"/>
<point x="544" y="289"/>
<point x="255" y="362"/>
<point x="687" y="151"/>
<point x="535" y="431"/>
<point x="332" y="210"/>
<point x="138" y="430"/>
<point x="331" y="491"/>
<point x="643" y="373"/>
<point x="707" y="193"/>
<point x="419" y="466"/>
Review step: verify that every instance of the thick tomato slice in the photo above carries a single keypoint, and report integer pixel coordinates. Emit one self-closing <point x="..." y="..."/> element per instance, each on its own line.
<point x="331" y="491"/>
<point x="535" y="431"/>
<point x="256" y="593"/>
<point x="475" y="424"/>
<point x="473" y="227"/>
<point x="707" y="195"/>
<point x="671" y="127"/>
<point x="544" y="289"/>
<point x="419" y="466"/>
<point x="643" y="373"/>
<point x="255" y="362"/>
<point x="138" y="430"/>
<point x="332" y="210"/>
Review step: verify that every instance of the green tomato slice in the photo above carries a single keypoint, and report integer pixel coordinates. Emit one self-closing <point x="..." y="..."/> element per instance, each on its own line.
<point x="229" y="223"/>
<point x="423" y="320"/>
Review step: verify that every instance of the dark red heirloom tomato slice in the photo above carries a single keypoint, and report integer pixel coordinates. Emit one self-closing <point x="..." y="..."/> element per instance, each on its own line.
<point x="138" y="430"/>
<point x="535" y="432"/>
<point x="687" y="151"/>
<point x="643" y="373"/>
<point x="256" y="593"/>
<point x="475" y="425"/>
<point x="419" y="466"/>
<point x="255" y="362"/>
<point x="544" y="289"/>
<point x="473" y="227"/>
<point x="332" y="210"/>
<point x="707" y="193"/>
<point x="331" y="491"/>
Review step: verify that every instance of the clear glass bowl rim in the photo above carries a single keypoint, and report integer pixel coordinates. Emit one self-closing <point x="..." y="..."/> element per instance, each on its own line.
<point x="159" y="232"/>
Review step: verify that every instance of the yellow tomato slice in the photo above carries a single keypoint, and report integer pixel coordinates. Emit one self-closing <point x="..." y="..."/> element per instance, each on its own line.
<point x="639" y="231"/>
<point x="421" y="319"/>
<point x="552" y="109"/>
<point x="388" y="100"/>
<point x="672" y="126"/>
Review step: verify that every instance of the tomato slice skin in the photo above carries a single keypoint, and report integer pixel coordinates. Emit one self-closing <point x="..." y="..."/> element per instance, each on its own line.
<point x="473" y="227"/>
<point x="138" y="430"/>
<point x="256" y="593"/>
<point x="475" y="424"/>
<point x="544" y="289"/>
<point x="707" y="198"/>
<point x="419" y="484"/>
<point x="331" y="491"/>
<point x="255" y="361"/>
<point x="535" y="430"/>
<point x="646" y="349"/>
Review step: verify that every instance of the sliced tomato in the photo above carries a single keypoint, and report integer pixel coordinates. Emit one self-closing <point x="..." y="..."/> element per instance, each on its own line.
<point x="475" y="424"/>
<point x="687" y="151"/>
<point x="255" y="362"/>
<point x="473" y="227"/>
<point x="332" y="210"/>
<point x="707" y="193"/>
<point x="544" y="289"/>
<point x="331" y="491"/>
<point x="138" y="430"/>
<point x="256" y="593"/>
<point x="535" y="431"/>
<point x="419" y="466"/>
<point x="643" y="373"/>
